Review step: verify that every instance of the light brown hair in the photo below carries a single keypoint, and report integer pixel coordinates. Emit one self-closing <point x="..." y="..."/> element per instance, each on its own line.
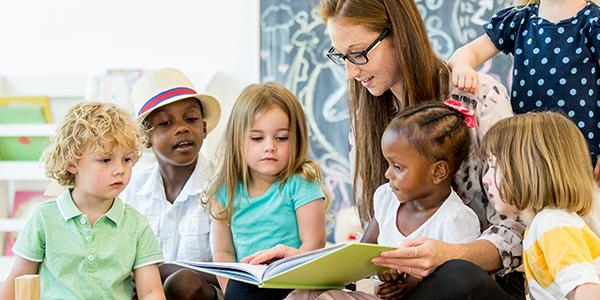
<point x="90" y="127"/>
<point x="423" y="76"/>
<point x="234" y="170"/>
<point x="543" y="161"/>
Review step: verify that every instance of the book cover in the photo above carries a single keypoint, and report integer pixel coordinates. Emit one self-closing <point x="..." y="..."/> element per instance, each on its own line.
<point x="326" y="268"/>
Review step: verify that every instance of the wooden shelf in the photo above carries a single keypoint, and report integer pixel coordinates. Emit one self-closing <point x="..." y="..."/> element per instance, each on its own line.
<point x="21" y="170"/>
<point x="27" y="129"/>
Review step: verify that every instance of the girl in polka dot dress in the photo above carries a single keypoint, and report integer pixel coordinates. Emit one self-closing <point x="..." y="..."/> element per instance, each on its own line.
<point x="556" y="50"/>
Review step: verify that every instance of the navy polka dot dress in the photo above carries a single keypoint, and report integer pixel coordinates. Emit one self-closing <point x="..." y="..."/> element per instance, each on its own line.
<point x="555" y="64"/>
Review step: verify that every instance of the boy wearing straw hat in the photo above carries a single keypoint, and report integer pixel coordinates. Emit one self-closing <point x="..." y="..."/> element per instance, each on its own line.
<point x="176" y="119"/>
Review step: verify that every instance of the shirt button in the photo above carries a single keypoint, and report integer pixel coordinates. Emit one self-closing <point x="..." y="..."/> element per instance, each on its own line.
<point x="87" y="238"/>
<point x="90" y="257"/>
<point x="82" y="220"/>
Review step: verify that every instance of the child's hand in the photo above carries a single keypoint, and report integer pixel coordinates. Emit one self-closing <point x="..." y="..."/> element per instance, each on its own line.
<point x="465" y="78"/>
<point x="394" y="289"/>
<point x="392" y="275"/>
<point x="269" y="255"/>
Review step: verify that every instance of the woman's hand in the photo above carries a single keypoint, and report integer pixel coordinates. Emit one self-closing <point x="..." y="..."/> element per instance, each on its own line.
<point x="269" y="255"/>
<point x="465" y="78"/>
<point x="417" y="257"/>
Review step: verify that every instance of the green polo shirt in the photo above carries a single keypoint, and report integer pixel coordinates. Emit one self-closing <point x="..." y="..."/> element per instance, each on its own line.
<point x="80" y="261"/>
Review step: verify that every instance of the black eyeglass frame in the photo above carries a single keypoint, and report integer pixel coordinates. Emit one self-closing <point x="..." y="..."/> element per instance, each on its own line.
<point x="338" y="58"/>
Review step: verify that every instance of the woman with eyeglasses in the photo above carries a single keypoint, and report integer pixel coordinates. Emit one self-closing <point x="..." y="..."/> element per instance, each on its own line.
<point x="384" y="47"/>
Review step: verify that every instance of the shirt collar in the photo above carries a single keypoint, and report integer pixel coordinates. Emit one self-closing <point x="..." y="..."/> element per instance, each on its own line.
<point x="68" y="210"/>
<point x="153" y="184"/>
<point x="198" y="182"/>
<point x="66" y="206"/>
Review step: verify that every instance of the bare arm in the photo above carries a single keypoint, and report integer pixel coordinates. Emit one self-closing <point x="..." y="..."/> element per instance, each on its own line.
<point x="371" y="233"/>
<point x="464" y="61"/>
<point x="587" y="291"/>
<point x="311" y="227"/>
<point x="148" y="283"/>
<point x="20" y="267"/>
<point x="223" y="249"/>
<point x="421" y="256"/>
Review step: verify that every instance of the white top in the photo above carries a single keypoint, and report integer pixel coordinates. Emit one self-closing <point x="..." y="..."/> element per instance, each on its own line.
<point x="560" y="253"/>
<point x="182" y="228"/>
<point x="453" y="222"/>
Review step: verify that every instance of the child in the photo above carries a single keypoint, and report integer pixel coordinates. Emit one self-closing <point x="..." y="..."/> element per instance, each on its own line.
<point x="85" y="243"/>
<point x="424" y="146"/>
<point x="539" y="166"/>
<point x="176" y="119"/>
<point x="267" y="198"/>
<point x="556" y="49"/>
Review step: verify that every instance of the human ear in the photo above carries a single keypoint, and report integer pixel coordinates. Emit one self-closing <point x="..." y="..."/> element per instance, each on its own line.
<point x="440" y="171"/>
<point x="204" y="127"/>
<point x="72" y="168"/>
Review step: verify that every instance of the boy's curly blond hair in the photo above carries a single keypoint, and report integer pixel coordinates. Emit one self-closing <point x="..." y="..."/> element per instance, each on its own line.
<point x="90" y="127"/>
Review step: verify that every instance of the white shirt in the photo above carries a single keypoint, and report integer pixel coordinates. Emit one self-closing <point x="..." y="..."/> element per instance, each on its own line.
<point x="182" y="228"/>
<point x="453" y="222"/>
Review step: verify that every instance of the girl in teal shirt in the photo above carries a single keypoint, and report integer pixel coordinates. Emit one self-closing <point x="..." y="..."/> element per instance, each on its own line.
<point x="267" y="199"/>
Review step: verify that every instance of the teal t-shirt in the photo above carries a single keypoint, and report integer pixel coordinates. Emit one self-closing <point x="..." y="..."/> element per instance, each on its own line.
<point x="80" y="261"/>
<point x="270" y="219"/>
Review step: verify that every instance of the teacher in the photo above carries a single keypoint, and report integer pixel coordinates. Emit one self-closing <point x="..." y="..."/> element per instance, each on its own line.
<point x="384" y="47"/>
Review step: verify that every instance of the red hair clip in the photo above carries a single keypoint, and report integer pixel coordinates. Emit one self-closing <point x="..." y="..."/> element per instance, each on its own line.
<point x="469" y="117"/>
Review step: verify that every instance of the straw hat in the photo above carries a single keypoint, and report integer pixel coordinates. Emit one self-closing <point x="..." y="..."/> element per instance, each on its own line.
<point x="166" y="86"/>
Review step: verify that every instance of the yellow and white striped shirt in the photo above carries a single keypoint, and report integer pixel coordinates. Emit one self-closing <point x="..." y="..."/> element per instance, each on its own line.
<point x="560" y="253"/>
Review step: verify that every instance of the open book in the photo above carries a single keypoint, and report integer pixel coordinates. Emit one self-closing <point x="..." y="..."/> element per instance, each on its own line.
<point x="326" y="268"/>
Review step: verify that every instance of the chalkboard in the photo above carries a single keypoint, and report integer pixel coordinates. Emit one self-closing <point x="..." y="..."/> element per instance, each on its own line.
<point x="293" y="47"/>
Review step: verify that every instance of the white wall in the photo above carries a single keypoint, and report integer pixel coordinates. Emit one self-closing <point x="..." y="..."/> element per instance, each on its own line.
<point x="200" y="37"/>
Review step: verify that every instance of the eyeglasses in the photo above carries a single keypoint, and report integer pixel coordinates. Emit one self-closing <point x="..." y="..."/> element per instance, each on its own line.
<point x="359" y="57"/>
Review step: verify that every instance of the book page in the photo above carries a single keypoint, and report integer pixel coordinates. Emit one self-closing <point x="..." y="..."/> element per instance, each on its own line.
<point x="296" y="260"/>
<point x="241" y="271"/>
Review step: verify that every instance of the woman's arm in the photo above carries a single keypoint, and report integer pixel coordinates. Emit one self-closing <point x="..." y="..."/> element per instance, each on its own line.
<point x="21" y="266"/>
<point x="311" y="227"/>
<point x="419" y="257"/>
<point x="148" y="284"/>
<point x="223" y="249"/>
<point x="468" y="57"/>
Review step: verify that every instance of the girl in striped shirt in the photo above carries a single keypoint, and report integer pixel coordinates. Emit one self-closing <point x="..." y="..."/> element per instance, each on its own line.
<point x="539" y="166"/>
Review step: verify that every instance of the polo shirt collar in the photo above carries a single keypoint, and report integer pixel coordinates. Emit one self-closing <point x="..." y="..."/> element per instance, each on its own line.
<point x="115" y="213"/>
<point x="68" y="210"/>
<point x="66" y="206"/>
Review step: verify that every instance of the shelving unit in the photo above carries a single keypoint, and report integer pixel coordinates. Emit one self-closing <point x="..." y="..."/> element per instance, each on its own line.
<point x="63" y="91"/>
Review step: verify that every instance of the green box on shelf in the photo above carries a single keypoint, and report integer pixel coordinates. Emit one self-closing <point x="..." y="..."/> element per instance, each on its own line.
<point x="22" y="148"/>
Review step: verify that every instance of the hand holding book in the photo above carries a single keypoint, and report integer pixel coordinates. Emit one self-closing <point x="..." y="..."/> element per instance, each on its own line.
<point x="326" y="268"/>
<point x="270" y="255"/>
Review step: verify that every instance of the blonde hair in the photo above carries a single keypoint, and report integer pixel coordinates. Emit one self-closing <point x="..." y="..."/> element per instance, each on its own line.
<point x="234" y="170"/>
<point x="543" y="161"/>
<point x="90" y="127"/>
<point x="423" y="75"/>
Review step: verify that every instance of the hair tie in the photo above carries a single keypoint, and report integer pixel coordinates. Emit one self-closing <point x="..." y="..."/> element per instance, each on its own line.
<point x="469" y="117"/>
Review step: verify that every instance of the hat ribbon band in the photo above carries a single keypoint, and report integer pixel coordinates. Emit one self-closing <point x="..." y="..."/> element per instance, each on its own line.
<point x="168" y="94"/>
